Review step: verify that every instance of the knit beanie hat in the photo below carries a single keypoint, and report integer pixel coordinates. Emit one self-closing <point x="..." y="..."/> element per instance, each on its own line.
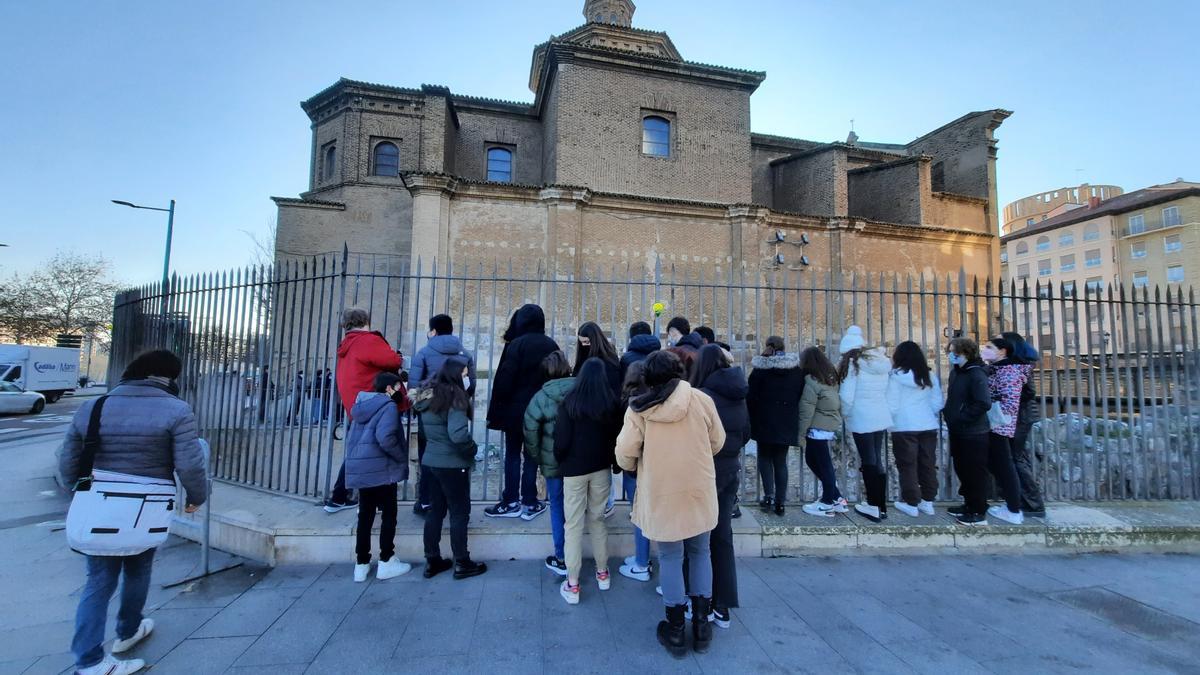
<point x="853" y="339"/>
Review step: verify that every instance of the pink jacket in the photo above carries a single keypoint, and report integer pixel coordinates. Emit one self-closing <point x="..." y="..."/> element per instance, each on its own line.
<point x="1005" y="382"/>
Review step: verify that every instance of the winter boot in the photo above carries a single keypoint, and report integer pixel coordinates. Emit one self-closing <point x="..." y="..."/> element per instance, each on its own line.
<point x="701" y="628"/>
<point x="670" y="632"/>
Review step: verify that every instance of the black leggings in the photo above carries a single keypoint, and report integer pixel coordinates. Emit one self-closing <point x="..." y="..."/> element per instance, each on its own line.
<point x="383" y="498"/>
<point x="873" y="466"/>
<point x="772" y="468"/>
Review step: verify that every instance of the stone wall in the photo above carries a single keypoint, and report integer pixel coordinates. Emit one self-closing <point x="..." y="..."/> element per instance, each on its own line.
<point x="481" y="129"/>
<point x="812" y="184"/>
<point x="367" y="219"/>
<point x="893" y="192"/>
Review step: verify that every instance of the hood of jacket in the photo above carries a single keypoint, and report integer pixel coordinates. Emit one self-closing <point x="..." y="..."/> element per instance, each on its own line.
<point x="970" y="365"/>
<point x="558" y="389"/>
<point x="781" y="361"/>
<point x="354" y="336"/>
<point x="421" y="398"/>
<point x="449" y="345"/>
<point x="729" y="383"/>
<point x="367" y="404"/>
<point x="528" y="319"/>
<point x="665" y="404"/>
<point x="644" y="344"/>
<point x="875" y="362"/>
<point x="906" y="378"/>
<point x="691" y="340"/>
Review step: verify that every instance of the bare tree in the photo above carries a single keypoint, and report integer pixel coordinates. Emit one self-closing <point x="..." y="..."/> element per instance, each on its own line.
<point x="76" y="291"/>
<point x="23" y="318"/>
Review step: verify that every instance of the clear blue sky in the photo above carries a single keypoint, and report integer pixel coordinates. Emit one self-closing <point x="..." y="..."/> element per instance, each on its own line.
<point x="150" y="100"/>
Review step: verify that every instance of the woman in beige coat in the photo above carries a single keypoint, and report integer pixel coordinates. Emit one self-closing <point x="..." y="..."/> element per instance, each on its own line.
<point x="669" y="437"/>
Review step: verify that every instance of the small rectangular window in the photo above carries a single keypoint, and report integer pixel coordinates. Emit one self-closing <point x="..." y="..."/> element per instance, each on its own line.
<point x="1066" y="263"/>
<point x="1141" y="279"/>
<point x="1095" y="284"/>
<point x="1003" y="257"/>
<point x="1092" y="258"/>
<point x="1023" y="271"/>
<point x="1175" y="274"/>
<point x="1029" y="221"/>
<point x="1137" y="224"/>
<point x="1066" y="238"/>
<point x="1137" y="250"/>
<point x="1091" y="232"/>
<point x="500" y="165"/>
<point x="1171" y="216"/>
<point x="1068" y="289"/>
<point x="1044" y="268"/>
<point x="1172" y="244"/>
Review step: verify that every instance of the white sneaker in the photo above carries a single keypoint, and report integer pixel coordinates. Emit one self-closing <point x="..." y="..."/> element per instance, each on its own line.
<point x="111" y="666"/>
<point x="144" y="629"/>
<point x="1007" y="516"/>
<point x="568" y="592"/>
<point x="871" y="512"/>
<point x="634" y="572"/>
<point x="925" y="507"/>
<point x="361" y="572"/>
<point x="818" y="508"/>
<point x="631" y="561"/>
<point x="658" y="589"/>
<point x="604" y="580"/>
<point x="840" y="505"/>
<point x="905" y="508"/>
<point x="392" y="568"/>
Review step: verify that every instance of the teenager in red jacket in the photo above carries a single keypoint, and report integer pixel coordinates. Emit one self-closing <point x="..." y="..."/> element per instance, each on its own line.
<point x="361" y="356"/>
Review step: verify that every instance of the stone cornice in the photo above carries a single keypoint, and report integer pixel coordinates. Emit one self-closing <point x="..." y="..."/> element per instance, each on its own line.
<point x="884" y="166"/>
<point x="955" y="197"/>
<point x="308" y="203"/>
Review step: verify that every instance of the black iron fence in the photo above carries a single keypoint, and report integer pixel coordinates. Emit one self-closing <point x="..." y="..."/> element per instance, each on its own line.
<point x="1117" y="382"/>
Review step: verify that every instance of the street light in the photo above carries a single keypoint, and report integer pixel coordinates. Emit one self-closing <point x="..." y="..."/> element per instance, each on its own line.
<point x="170" y="211"/>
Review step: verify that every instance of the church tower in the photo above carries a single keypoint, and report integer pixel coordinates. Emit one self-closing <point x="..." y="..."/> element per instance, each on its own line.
<point x="617" y="12"/>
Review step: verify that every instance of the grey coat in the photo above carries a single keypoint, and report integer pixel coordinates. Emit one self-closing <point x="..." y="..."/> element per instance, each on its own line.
<point x="145" y="430"/>
<point x="376" y="451"/>
<point x="430" y="359"/>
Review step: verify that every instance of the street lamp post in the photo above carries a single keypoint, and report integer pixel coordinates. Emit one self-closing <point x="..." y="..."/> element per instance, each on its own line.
<point x="170" y="227"/>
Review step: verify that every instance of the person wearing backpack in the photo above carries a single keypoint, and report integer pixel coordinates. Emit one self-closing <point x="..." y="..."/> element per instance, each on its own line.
<point x="376" y="460"/>
<point x="915" y="400"/>
<point x="540" y="419"/>
<point x="820" y="418"/>
<point x="144" y="429"/>
<point x="863" y="374"/>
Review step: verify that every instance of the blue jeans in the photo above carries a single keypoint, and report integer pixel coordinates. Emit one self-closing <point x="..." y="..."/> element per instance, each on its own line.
<point x="699" y="568"/>
<point x="641" y="545"/>
<point x="558" y="518"/>
<point x="516" y="476"/>
<point x="102" y="575"/>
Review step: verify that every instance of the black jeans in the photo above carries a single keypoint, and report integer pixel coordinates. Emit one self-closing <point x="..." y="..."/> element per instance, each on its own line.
<point x="724" y="564"/>
<point x="816" y="455"/>
<point x="916" y="462"/>
<point x="449" y="491"/>
<point x="340" y="494"/>
<point x="423" y="476"/>
<point x="1031" y="491"/>
<point x="383" y="498"/>
<point x="772" y="468"/>
<point x="873" y="466"/>
<point x="516" y="474"/>
<point x="1000" y="461"/>
<point x="970" y="455"/>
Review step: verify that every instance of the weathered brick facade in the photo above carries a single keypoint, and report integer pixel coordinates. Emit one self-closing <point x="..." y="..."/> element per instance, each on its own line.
<point x="583" y="190"/>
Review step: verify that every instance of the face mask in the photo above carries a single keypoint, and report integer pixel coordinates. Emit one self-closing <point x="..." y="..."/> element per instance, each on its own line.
<point x="466" y="381"/>
<point x="990" y="354"/>
<point x="957" y="360"/>
<point x="398" y="396"/>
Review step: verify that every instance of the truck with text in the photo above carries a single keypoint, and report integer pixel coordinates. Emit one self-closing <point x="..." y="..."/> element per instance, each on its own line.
<point x="51" y="371"/>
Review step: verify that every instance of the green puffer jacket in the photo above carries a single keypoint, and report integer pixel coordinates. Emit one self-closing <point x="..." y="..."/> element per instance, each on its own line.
<point x="539" y="423"/>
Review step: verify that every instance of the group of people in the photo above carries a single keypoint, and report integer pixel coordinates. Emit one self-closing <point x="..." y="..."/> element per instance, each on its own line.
<point x="671" y="420"/>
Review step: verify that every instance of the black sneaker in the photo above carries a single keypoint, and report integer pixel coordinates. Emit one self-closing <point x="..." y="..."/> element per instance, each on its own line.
<point x="468" y="568"/>
<point x="435" y="566"/>
<point x="720" y="616"/>
<point x="333" y="507"/>
<point x="957" y="511"/>
<point x="504" y="510"/>
<point x="737" y="511"/>
<point x="556" y="565"/>
<point x="531" y="512"/>
<point x="971" y="519"/>
<point x="420" y="509"/>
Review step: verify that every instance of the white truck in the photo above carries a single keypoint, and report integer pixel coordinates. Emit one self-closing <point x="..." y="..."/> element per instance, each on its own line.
<point x="51" y="371"/>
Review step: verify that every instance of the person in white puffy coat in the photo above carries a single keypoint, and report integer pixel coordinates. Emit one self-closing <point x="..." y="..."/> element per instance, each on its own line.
<point x="914" y="398"/>
<point x="864" y="380"/>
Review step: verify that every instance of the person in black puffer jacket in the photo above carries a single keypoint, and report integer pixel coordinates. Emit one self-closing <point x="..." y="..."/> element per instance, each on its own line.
<point x="727" y="387"/>
<point x="776" y="384"/>
<point x="966" y="414"/>
<point x="641" y="344"/>
<point x="516" y="379"/>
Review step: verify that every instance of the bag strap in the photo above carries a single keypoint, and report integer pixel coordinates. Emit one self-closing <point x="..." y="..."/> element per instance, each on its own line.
<point x="91" y="440"/>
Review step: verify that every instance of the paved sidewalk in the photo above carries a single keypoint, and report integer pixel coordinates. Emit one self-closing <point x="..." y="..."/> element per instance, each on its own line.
<point x="1004" y="614"/>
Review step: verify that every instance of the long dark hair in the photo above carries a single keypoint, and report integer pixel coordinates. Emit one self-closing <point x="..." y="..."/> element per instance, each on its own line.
<point x="599" y="346"/>
<point x="850" y="358"/>
<point x="814" y="362"/>
<point x="448" y="392"/>
<point x="592" y="396"/>
<point x="910" y="358"/>
<point x="635" y="383"/>
<point x="710" y="360"/>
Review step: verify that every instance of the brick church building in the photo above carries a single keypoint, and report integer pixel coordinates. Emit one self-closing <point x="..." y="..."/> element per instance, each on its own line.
<point x="628" y="153"/>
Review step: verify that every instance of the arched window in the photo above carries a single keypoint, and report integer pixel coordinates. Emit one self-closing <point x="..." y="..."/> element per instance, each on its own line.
<point x="330" y="161"/>
<point x="1043" y="243"/>
<point x="656" y="136"/>
<point x="499" y="165"/>
<point x="386" y="159"/>
<point x="1022" y="248"/>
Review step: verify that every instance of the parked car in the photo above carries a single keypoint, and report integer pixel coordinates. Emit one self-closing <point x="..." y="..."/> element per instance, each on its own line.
<point x="13" y="399"/>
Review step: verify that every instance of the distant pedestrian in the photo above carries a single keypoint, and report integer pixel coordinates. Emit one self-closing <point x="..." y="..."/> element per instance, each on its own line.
<point x="968" y="399"/>
<point x="914" y="398"/>
<point x="638" y="566"/>
<point x="641" y="344"/>
<point x="362" y="354"/>
<point x="585" y="435"/>
<point x="820" y="418"/>
<point x="1007" y="375"/>
<point x="726" y="386"/>
<point x="669" y="438"/>
<point x="376" y="460"/>
<point x="540" y="418"/>
<point x="445" y="411"/>
<point x="1032" y="503"/>
<point x="776" y="383"/>
<point x="442" y="345"/>
<point x="145" y="430"/>
<point x="516" y="379"/>
<point x="863" y="374"/>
